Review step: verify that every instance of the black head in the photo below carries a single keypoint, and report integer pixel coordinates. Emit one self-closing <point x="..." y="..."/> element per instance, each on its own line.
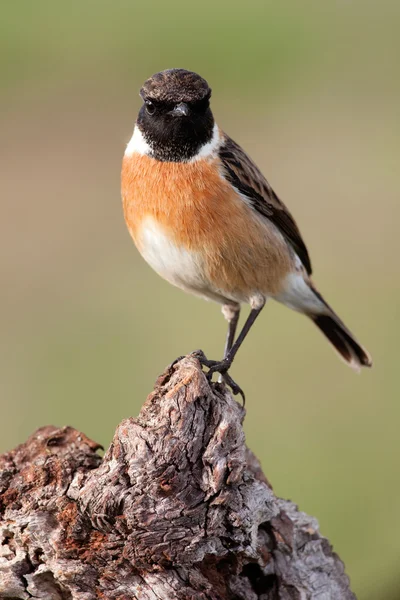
<point x="176" y="119"/>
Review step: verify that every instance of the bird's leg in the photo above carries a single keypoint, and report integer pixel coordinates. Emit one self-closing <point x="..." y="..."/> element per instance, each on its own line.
<point x="226" y="378"/>
<point x="223" y="366"/>
<point x="231" y="313"/>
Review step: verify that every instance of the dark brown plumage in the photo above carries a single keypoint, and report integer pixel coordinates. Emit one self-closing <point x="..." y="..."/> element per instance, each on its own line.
<point x="342" y="340"/>
<point x="243" y="173"/>
<point x="175" y="85"/>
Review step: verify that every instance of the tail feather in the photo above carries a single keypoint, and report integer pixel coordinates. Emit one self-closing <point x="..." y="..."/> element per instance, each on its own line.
<point x="343" y="340"/>
<point x="299" y="293"/>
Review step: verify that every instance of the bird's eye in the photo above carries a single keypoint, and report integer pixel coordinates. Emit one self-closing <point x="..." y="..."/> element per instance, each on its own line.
<point x="150" y="108"/>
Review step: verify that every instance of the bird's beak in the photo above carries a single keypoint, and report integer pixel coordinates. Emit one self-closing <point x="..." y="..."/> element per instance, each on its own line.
<point x="180" y="110"/>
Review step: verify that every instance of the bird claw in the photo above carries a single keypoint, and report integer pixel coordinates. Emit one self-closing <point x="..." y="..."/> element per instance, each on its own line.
<point x="219" y="366"/>
<point x="203" y="360"/>
<point x="236" y="389"/>
<point x="213" y="366"/>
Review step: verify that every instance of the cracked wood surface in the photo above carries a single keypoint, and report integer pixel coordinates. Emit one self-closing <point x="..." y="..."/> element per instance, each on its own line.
<point x="178" y="507"/>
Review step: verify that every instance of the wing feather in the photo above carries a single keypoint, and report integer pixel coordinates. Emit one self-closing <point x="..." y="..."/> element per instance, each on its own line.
<point x="245" y="176"/>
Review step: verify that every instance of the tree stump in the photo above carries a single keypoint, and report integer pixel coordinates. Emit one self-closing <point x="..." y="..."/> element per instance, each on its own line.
<point x="178" y="507"/>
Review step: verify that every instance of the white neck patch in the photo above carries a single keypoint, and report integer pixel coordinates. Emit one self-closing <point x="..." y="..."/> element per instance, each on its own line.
<point x="209" y="149"/>
<point x="139" y="145"/>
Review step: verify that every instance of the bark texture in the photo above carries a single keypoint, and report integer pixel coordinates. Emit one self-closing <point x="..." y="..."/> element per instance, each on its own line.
<point x="177" y="508"/>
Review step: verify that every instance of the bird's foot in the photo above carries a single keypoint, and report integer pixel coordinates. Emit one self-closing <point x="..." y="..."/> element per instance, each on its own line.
<point x="213" y="366"/>
<point x="222" y="367"/>
<point x="236" y="389"/>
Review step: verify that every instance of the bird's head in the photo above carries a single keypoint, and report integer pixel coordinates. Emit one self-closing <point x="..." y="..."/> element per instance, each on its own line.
<point x="175" y="119"/>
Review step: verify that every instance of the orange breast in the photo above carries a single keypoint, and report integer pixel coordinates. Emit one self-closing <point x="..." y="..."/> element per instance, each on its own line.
<point x="201" y="212"/>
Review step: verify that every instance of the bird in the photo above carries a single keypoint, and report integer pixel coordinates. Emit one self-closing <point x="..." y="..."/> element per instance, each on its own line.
<point x="206" y="219"/>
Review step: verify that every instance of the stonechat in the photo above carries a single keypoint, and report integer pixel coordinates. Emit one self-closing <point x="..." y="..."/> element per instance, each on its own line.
<point x="205" y="218"/>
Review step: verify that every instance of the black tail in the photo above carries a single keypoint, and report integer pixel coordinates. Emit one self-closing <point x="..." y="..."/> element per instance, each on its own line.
<point x="343" y="341"/>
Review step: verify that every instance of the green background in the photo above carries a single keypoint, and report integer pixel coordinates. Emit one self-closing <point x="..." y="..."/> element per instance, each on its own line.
<point x="311" y="89"/>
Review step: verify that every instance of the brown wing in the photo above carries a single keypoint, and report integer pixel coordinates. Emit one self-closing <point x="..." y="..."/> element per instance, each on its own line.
<point x="245" y="176"/>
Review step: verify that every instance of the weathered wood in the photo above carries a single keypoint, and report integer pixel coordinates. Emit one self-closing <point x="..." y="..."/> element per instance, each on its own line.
<point x="177" y="508"/>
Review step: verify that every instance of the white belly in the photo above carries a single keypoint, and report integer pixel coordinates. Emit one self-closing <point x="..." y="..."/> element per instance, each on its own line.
<point x="179" y="266"/>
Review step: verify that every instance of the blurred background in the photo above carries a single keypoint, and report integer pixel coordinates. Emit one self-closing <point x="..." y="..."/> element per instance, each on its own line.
<point x="312" y="91"/>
